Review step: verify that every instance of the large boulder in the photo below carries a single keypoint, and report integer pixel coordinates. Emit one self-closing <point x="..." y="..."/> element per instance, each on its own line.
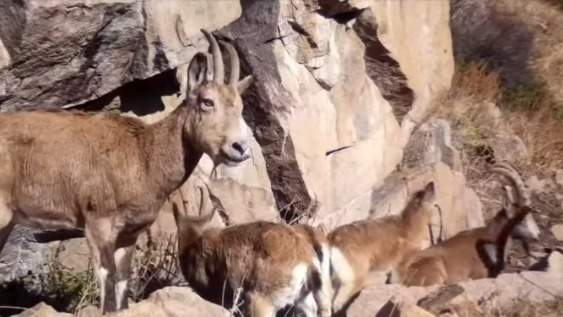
<point x="525" y="294"/>
<point x="167" y="302"/>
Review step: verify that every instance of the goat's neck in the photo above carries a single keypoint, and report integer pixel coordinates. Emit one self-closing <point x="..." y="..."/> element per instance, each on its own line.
<point x="171" y="158"/>
<point x="187" y="236"/>
<point x="414" y="221"/>
<point x="502" y="226"/>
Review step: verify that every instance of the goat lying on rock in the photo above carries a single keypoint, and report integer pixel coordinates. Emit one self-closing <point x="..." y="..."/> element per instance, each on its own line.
<point x="377" y="245"/>
<point x="111" y="174"/>
<point x="271" y="265"/>
<point x="471" y="254"/>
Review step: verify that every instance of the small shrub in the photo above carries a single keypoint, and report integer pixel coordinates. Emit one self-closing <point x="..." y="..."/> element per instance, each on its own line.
<point x="66" y="290"/>
<point x="476" y="80"/>
<point x="529" y="96"/>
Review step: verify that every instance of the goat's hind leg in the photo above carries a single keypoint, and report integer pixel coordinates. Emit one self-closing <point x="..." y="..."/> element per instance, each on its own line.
<point x="123" y="256"/>
<point x="101" y="239"/>
<point x="426" y="272"/>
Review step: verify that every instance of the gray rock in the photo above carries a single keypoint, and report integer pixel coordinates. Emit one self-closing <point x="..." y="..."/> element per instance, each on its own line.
<point x="557" y="231"/>
<point x="507" y="294"/>
<point x="23" y="255"/>
<point x="42" y="310"/>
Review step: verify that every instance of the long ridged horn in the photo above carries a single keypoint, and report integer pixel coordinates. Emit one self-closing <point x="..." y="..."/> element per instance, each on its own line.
<point x="218" y="66"/>
<point x="509" y="172"/>
<point x="203" y="205"/>
<point x="235" y="63"/>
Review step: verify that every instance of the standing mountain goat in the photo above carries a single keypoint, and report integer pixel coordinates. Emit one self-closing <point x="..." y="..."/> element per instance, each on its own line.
<point x="377" y="245"/>
<point x="111" y="174"/>
<point x="471" y="254"/>
<point x="271" y="265"/>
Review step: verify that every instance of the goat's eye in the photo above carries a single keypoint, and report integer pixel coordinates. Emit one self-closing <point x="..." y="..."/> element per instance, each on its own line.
<point x="207" y="104"/>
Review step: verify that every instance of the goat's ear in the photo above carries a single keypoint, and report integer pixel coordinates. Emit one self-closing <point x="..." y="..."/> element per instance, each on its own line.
<point x="429" y="191"/>
<point x="244" y="84"/>
<point x="197" y="71"/>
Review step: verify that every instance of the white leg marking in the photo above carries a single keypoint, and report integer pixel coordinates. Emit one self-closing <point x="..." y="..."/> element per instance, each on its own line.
<point x="325" y="297"/>
<point x="308" y="306"/>
<point x="120" y="292"/>
<point x="102" y="277"/>
<point x="119" y="255"/>
<point x="344" y="276"/>
<point x="342" y="269"/>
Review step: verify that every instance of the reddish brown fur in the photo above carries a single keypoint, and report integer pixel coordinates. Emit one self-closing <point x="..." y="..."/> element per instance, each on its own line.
<point x="111" y="174"/>
<point x="259" y="257"/>
<point x="377" y="245"/>
<point x="464" y="256"/>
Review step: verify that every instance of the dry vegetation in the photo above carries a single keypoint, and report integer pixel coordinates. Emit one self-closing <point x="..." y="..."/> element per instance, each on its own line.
<point x="518" y="69"/>
<point x="508" y="81"/>
<point x="530" y="111"/>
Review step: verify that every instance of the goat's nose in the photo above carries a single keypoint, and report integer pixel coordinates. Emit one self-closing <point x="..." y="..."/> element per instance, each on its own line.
<point x="240" y="147"/>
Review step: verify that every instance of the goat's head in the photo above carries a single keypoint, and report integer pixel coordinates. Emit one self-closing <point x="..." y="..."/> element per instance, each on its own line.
<point x="190" y="228"/>
<point x="423" y="201"/>
<point x="215" y="124"/>
<point x="517" y="205"/>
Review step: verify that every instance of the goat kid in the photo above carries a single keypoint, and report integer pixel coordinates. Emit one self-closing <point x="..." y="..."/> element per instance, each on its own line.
<point x="111" y="174"/>
<point x="471" y="254"/>
<point x="377" y="245"/>
<point x="271" y="265"/>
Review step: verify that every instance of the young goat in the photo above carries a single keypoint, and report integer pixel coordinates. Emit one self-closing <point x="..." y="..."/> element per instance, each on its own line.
<point x="377" y="245"/>
<point x="472" y="254"/>
<point x="111" y="174"/>
<point x="272" y="265"/>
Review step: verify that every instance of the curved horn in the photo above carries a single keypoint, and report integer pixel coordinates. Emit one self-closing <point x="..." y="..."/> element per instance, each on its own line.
<point x="235" y="63"/>
<point x="513" y="176"/>
<point x="201" y="219"/>
<point x="218" y="67"/>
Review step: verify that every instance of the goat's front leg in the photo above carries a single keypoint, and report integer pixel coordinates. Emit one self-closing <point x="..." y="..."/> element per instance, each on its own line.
<point x="101" y="240"/>
<point x="123" y="256"/>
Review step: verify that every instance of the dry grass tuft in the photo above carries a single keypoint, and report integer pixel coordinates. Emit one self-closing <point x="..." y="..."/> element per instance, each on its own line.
<point x="542" y="134"/>
<point x="154" y="267"/>
<point x="529" y="110"/>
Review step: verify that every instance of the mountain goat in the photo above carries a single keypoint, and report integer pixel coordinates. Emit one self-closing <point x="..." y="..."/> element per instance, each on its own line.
<point x="271" y="265"/>
<point x="110" y="174"/>
<point x="372" y="245"/>
<point x="471" y="254"/>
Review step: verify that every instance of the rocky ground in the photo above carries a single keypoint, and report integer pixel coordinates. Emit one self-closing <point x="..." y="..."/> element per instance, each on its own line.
<point x="357" y="105"/>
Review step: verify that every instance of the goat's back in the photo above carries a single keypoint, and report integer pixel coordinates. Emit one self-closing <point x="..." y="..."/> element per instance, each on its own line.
<point x="262" y="257"/>
<point x="374" y="244"/>
<point x="50" y="162"/>
<point x="450" y="261"/>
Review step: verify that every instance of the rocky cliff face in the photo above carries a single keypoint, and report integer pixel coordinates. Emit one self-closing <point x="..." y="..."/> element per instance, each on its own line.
<point x="340" y="87"/>
<point x="339" y="84"/>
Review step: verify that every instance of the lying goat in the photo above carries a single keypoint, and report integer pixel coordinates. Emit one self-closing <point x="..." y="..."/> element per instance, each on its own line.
<point x="472" y="254"/>
<point x="377" y="245"/>
<point x="271" y="265"/>
<point x="111" y="174"/>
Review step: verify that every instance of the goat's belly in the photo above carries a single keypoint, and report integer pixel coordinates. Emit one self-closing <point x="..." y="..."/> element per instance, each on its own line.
<point x="48" y="219"/>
